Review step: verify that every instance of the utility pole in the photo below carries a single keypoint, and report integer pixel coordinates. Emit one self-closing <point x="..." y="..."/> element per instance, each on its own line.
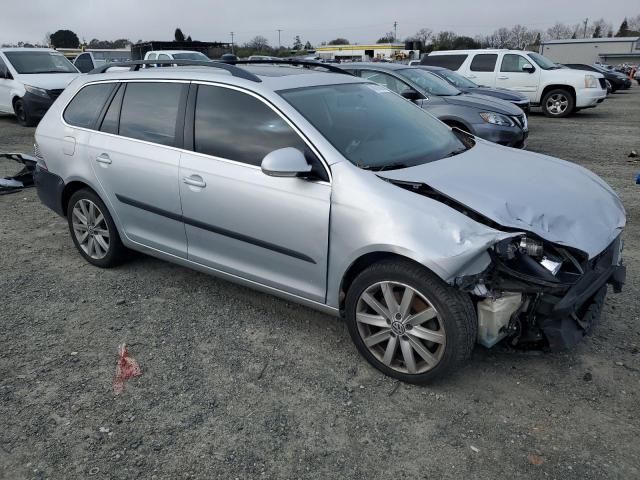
<point x="584" y="34"/>
<point x="395" y="31"/>
<point x="231" y="42"/>
<point x="279" y="44"/>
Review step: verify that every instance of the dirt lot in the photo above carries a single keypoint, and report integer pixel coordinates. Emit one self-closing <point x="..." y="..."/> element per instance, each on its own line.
<point x="238" y="384"/>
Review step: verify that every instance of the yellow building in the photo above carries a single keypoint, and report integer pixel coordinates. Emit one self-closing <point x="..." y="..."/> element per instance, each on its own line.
<point x="364" y="53"/>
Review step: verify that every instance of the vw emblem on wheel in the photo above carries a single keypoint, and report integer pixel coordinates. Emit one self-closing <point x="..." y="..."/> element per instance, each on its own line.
<point x="398" y="328"/>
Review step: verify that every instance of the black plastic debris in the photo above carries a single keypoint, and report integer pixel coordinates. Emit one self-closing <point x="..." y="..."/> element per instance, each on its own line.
<point x="20" y="180"/>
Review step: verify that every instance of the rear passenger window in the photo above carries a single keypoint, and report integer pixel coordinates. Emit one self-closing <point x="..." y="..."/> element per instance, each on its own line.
<point x="150" y="111"/>
<point x="484" y="62"/>
<point x="110" y="121"/>
<point x="452" y="62"/>
<point x="236" y="126"/>
<point x="85" y="107"/>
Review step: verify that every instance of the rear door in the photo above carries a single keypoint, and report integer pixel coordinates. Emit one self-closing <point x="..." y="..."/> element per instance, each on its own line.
<point x="482" y="69"/>
<point x="135" y="159"/>
<point x="5" y="87"/>
<point x="271" y="230"/>
<point x="513" y="76"/>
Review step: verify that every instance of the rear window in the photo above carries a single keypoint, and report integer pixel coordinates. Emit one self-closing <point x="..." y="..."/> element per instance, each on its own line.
<point x="452" y="62"/>
<point x="85" y="107"/>
<point x="484" y="62"/>
<point x="150" y="111"/>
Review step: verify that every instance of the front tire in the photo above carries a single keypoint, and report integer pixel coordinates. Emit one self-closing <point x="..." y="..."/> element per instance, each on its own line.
<point x="93" y="231"/>
<point x="558" y="103"/>
<point x="22" y="114"/>
<point x="408" y="323"/>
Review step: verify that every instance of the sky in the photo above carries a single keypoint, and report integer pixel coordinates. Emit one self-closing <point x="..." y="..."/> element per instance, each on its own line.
<point x="323" y="20"/>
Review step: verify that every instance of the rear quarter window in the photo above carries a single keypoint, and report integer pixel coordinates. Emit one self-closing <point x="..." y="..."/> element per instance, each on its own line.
<point x="85" y="107"/>
<point x="452" y="62"/>
<point x="484" y="62"/>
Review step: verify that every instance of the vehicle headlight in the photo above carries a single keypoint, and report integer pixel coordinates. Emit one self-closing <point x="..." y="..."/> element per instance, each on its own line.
<point x="590" y="81"/>
<point x="41" y="92"/>
<point x="497" y="119"/>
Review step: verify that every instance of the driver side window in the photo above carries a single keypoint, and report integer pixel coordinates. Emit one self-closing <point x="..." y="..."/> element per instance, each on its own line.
<point x="513" y="63"/>
<point x="386" y="80"/>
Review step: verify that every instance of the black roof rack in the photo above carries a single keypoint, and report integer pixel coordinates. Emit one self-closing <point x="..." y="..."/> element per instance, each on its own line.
<point x="284" y="61"/>
<point x="134" y="66"/>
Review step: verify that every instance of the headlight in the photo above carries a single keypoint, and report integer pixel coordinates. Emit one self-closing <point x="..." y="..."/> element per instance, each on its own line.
<point x="497" y="119"/>
<point x="41" y="92"/>
<point x="590" y="81"/>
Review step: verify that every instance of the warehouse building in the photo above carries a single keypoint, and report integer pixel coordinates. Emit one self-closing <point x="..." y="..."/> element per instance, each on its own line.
<point x="613" y="50"/>
<point x="365" y="53"/>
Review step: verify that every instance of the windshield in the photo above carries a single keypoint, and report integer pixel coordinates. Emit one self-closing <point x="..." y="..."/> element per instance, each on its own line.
<point x="40" y="62"/>
<point x="191" y="56"/>
<point x="456" y="79"/>
<point x="373" y="127"/>
<point x="429" y="82"/>
<point x="543" y="62"/>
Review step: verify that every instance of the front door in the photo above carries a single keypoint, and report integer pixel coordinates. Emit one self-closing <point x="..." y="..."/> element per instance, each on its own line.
<point x="513" y="75"/>
<point x="133" y="159"/>
<point x="271" y="230"/>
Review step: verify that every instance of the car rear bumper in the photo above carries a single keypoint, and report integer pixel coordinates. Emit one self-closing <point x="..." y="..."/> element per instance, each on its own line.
<point x="49" y="187"/>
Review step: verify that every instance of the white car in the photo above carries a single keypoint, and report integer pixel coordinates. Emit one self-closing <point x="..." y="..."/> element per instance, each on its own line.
<point x="87" y="61"/>
<point x="559" y="92"/>
<point x="176" y="55"/>
<point x="30" y="81"/>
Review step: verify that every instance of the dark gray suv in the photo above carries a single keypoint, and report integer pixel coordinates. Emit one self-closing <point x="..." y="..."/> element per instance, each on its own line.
<point x="489" y="118"/>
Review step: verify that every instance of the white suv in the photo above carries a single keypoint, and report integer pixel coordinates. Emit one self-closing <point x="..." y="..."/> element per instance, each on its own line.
<point x="558" y="91"/>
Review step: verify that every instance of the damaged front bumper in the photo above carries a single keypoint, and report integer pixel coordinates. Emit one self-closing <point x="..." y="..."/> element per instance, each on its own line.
<point x="552" y="310"/>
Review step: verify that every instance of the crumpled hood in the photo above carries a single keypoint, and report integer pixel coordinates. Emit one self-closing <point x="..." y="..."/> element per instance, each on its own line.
<point x="557" y="200"/>
<point x="483" y="103"/>
<point x="49" y="81"/>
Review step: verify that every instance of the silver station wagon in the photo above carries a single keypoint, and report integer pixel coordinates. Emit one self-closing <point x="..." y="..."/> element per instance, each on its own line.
<point x="334" y="192"/>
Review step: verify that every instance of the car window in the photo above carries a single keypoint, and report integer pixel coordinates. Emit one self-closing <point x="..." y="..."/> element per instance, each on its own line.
<point x="150" y="111"/>
<point x="236" y="126"/>
<point x="386" y="80"/>
<point x="85" y="107"/>
<point x="484" y="62"/>
<point x="152" y="56"/>
<point x="84" y="63"/>
<point x="31" y="62"/>
<point x="191" y="56"/>
<point x="162" y="56"/>
<point x="452" y="62"/>
<point x="3" y="68"/>
<point x="428" y="82"/>
<point x="112" y="117"/>
<point x="513" y="63"/>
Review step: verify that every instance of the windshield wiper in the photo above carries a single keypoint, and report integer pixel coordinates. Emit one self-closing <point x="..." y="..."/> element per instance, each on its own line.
<point x="455" y="152"/>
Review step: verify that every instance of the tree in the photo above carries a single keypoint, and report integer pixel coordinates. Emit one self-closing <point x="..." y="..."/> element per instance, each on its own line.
<point x="258" y="43"/>
<point x="65" y="39"/>
<point x="189" y="39"/>
<point x="464" y="43"/>
<point x="339" y="41"/>
<point x="559" y="31"/>
<point x="308" y="46"/>
<point x="423" y="35"/>
<point x="178" y="35"/>
<point x="623" y="31"/>
<point x="444" y="40"/>
<point x="597" y="32"/>
<point x="387" y="38"/>
<point x="634" y="23"/>
<point x="297" y="43"/>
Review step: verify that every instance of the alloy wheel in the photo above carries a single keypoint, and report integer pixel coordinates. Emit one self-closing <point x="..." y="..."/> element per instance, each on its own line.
<point x="90" y="229"/>
<point x="400" y="327"/>
<point x="557" y="104"/>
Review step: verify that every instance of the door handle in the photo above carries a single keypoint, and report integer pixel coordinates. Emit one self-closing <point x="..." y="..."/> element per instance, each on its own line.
<point x="103" y="158"/>
<point x="503" y="77"/>
<point x="195" y="181"/>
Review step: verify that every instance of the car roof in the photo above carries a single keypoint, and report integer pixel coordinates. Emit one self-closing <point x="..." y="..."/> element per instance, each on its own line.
<point x="273" y="77"/>
<point x="377" y="65"/>
<point x="431" y="68"/>
<point x="172" y="51"/>
<point x="19" y="49"/>
<point x="477" y="50"/>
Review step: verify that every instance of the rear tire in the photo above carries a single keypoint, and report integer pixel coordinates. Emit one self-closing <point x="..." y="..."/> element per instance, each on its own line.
<point x="93" y="231"/>
<point x="22" y="113"/>
<point x="558" y="103"/>
<point x="408" y="323"/>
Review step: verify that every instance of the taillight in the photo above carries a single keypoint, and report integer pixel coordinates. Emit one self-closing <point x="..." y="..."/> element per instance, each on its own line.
<point x="40" y="159"/>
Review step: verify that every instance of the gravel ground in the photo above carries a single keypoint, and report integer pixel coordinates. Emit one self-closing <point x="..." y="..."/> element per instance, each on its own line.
<point x="238" y="384"/>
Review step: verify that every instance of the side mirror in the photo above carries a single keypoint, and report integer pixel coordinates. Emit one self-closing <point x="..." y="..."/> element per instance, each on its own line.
<point x="411" y="95"/>
<point x="527" y="67"/>
<point x="285" y="162"/>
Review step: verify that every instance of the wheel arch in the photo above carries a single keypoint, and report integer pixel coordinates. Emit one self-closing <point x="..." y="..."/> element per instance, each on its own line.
<point x="555" y="86"/>
<point x="71" y="188"/>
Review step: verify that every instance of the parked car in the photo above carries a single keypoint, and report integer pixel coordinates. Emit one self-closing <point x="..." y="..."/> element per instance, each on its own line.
<point x="614" y="80"/>
<point x="489" y="118"/>
<point x="176" y="55"/>
<point x="262" y="57"/>
<point x="87" y="61"/>
<point x="559" y="92"/>
<point x="637" y="76"/>
<point x="467" y="86"/>
<point x="334" y="192"/>
<point x="30" y="81"/>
